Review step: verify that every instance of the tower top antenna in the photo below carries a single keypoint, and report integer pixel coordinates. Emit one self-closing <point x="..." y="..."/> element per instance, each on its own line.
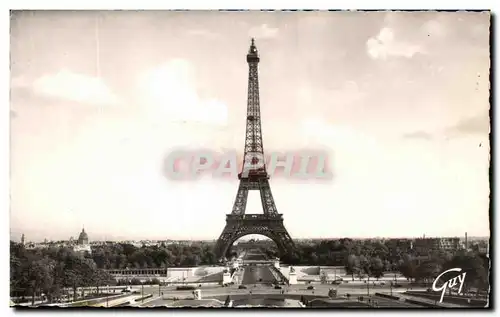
<point x="253" y="54"/>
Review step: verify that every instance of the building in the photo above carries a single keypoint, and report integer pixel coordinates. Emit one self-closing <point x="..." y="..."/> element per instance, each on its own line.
<point x="82" y="244"/>
<point x="398" y="246"/>
<point x="425" y="245"/>
<point x="450" y="244"/>
<point x="142" y="274"/>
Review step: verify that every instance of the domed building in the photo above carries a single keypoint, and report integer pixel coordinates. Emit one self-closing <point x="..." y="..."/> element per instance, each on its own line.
<point x="82" y="244"/>
<point x="83" y="238"/>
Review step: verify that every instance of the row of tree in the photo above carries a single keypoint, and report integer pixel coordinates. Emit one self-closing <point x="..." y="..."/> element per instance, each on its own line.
<point x="427" y="269"/>
<point x="120" y="256"/>
<point x="50" y="271"/>
<point x="476" y="267"/>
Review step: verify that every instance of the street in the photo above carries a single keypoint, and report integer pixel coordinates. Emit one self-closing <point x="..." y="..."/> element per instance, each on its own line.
<point x="257" y="275"/>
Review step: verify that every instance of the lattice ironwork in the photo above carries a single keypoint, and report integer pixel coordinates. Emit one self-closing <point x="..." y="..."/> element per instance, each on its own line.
<point x="270" y="223"/>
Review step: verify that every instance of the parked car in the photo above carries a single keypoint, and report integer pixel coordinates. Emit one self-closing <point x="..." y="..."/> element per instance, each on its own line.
<point x="127" y="290"/>
<point x="336" y="282"/>
<point x="310" y="287"/>
<point x="242" y="287"/>
<point x="277" y="287"/>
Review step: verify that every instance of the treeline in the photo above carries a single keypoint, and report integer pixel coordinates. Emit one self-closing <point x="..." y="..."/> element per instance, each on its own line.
<point x="335" y="252"/>
<point x="49" y="271"/>
<point x="476" y="267"/>
<point x="121" y="256"/>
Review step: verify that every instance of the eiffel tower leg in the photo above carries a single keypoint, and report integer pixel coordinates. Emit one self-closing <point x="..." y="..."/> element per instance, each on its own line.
<point x="225" y="240"/>
<point x="282" y="238"/>
<point x="227" y="236"/>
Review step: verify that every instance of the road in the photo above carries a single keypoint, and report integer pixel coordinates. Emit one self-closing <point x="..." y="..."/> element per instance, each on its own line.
<point x="258" y="275"/>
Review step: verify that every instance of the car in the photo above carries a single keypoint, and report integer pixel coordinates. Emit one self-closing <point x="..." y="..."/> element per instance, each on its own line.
<point x="397" y="285"/>
<point x="382" y="283"/>
<point x="242" y="287"/>
<point x="277" y="287"/>
<point x="336" y="282"/>
<point x="310" y="287"/>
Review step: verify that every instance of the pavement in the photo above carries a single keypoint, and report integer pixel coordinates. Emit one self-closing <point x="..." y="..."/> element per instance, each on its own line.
<point x="430" y="301"/>
<point x="116" y="302"/>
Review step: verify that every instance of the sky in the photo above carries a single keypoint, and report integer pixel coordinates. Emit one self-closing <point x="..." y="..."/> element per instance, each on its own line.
<point x="399" y="101"/>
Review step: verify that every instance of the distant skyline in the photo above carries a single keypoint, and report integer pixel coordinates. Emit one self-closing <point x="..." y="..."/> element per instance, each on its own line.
<point x="259" y="237"/>
<point x="399" y="100"/>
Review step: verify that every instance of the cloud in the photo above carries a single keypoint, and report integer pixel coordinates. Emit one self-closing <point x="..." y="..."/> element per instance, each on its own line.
<point x="477" y="125"/>
<point x="384" y="45"/>
<point x="473" y="125"/>
<point x="169" y="92"/>
<point x="263" y="32"/>
<point x="203" y="33"/>
<point x="75" y="87"/>
<point x="434" y="28"/>
<point x="421" y="135"/>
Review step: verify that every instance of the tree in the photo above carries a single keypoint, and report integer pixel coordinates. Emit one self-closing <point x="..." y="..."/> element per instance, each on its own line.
<point x="364" y="266"/>
<point x="352" y="266"/>
<point x="314" y="258"/>
<point x="376" y="267"/>
<point x="428" y="270"/>
<point x="40" y="275"/>
<point x="408" y="267"/>
<point x="475" y="267"/>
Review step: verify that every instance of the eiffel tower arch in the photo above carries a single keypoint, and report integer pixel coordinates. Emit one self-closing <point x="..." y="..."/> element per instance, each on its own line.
<point x="254" y="177"/>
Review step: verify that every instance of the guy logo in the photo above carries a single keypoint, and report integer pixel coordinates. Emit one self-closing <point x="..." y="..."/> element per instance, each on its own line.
<point x="449" y="283"/>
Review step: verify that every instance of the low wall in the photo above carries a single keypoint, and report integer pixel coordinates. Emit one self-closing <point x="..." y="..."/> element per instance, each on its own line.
<point x="143" y="278"/>
<point x="450" y="299"/>
<point x="301" y="271"/>
<point x="94" y="301"/>
<point x="135" y="302"/>
<point x="278" y="273"/>
<point x="307" y="270"/>
<point x="332" y="271"/>
<point x="423" y="304"/>
<point x="209" y="270"/>
<point x="181" y="272"/>
<point x="387" y="296"/>
<point x="235" y="297"/>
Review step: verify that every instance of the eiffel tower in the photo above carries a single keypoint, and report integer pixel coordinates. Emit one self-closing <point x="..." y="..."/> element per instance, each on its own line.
<point x="254" y="177"/>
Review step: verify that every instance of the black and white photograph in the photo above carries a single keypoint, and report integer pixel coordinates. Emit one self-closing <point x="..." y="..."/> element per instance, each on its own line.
<point x="246" y="159"/>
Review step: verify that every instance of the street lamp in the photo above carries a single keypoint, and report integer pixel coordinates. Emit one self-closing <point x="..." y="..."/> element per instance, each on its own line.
<point x="142" y="292"/>
<point x="107" y="295"/>
<point x="368" y="285"/>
